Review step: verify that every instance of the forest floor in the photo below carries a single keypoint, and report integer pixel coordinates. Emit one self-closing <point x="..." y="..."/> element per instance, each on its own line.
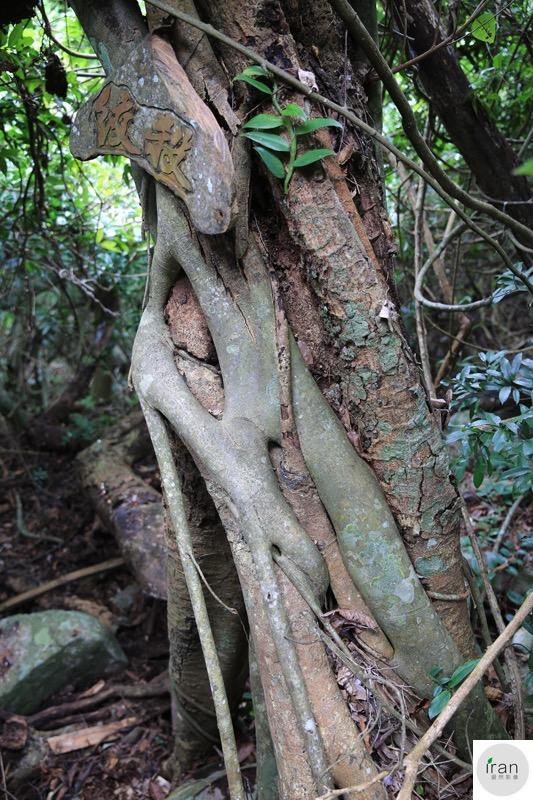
<point x="40" y="496"/>
<point x="130" y="764"/>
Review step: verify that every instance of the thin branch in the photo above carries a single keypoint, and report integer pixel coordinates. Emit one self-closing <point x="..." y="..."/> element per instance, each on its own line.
<point x="412" y="761"/>
<point x="76" y="575"/>
<point x="437" y="184"/>
<point x="362" y="37"/>
<point x="48" y="31"/>
<point x="453" y="307"/>
<point x="505" y="524"/>
<point x="451" y="39"/>
<point x="420" y="327"/>
<point x="509" y="655"/>
<point x="180" y="526"/>
<point x="361" y="787"/>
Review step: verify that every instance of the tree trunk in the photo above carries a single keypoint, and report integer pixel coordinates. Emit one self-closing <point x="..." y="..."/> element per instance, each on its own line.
<point x="246" y="387"/>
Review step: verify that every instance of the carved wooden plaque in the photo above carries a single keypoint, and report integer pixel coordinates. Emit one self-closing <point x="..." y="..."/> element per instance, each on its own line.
<point x="148" y="111"/>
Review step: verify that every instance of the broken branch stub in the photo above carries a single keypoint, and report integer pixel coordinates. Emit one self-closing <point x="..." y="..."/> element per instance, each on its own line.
<point x="149" y="112"/>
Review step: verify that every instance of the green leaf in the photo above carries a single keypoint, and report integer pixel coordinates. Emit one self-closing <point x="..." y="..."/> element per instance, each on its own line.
<point x="461" y="673"/>
<point x="438" y="703"/>
<point x="252" y="81"/>
<point x="484" y="27"/>
<point x="293" y="110"/>
<point x="270" y="140"/>
<point x="310" y="156"/>
<point x="254" y="71"/>
<point x="272" y="162"/>
<point x="525" y="169"/>
<point x="515" y="597"/>
<point x="264" y="121"/>
<point x="479" y="473"/>
<point x="314" y="124"/>
<point x="108" y="244"/>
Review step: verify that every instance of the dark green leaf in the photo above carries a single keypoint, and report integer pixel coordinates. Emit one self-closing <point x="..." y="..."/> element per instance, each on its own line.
<point x="271" y="162"/>
<point x="270" y="140"/>
<point x="438" y="703"/>
<point x="479" y="473"/>
<point x="461" y="673"/>
<point x="314" y="124"/>
<point x="264" y="121"/>
<point x="310" y="156"/>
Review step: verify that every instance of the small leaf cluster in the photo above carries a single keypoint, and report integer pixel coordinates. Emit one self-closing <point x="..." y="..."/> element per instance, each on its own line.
<point x="508" y="283"/>
<point x="442" y="692"/>
<point x="279" y="151"/>
<point x="494" y="444"/>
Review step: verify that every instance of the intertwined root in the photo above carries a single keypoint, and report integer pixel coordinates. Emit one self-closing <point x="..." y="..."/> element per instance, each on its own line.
<point x="233" y="455"/>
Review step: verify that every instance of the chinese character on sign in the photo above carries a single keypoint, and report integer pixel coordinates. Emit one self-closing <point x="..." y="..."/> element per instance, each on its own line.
<point x="166" y="146"/>
<point x="115" y="109"/>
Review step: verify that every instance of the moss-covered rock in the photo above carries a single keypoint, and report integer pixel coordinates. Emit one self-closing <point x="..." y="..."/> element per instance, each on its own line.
<point x="42" y="652"/>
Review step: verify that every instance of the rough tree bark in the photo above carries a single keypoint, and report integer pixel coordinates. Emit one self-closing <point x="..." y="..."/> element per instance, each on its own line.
<point x="286" y="321"/>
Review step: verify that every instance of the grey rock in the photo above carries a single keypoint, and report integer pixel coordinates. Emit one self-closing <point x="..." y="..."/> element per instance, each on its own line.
<point x="42" y="652"/>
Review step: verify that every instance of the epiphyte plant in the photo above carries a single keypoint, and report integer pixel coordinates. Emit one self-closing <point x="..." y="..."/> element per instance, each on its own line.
<point x="290" y="120"/>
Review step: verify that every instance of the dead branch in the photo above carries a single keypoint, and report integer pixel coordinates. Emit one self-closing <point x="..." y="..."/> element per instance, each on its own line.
<point x="76" y="575"/>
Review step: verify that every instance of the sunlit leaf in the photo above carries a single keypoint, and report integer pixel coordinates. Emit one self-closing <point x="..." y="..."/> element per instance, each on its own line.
<point x="525" y="169"/>
<point x="484" y="27"/>
<point x="293" y="110"/>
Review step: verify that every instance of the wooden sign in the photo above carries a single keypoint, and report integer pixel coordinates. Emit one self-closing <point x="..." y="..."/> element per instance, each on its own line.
<point x="148" y="111"/>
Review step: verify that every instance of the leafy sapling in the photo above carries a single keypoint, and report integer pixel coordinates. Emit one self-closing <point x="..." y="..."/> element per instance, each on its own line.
<point x="442" y="692"/>
<point x="279" y="151"/>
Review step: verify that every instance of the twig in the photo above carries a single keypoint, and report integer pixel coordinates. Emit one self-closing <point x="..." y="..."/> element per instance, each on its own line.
<point x="157" y="686"/>
<point x="448" y="598"/>
<point x="509" y="654"/>
<point x="334" y="642"/>
<point x="507" y="521"/>
<point x="180" y="526"/>
<point x="362" y="787"/>
<point x="451" y="39"/>
<point x="480" y="609"/>
<point x="420" y="327"/>
<point x="362" y="37"/>
<point x="209" y="589"/>
<point x="436" y="183"/>
<point x="412" y="761"/>
<point x="23" y="529"/>
<point x="454" y="307"/>
<point x="77" y="575"/>
<point x="48" y="31"/>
